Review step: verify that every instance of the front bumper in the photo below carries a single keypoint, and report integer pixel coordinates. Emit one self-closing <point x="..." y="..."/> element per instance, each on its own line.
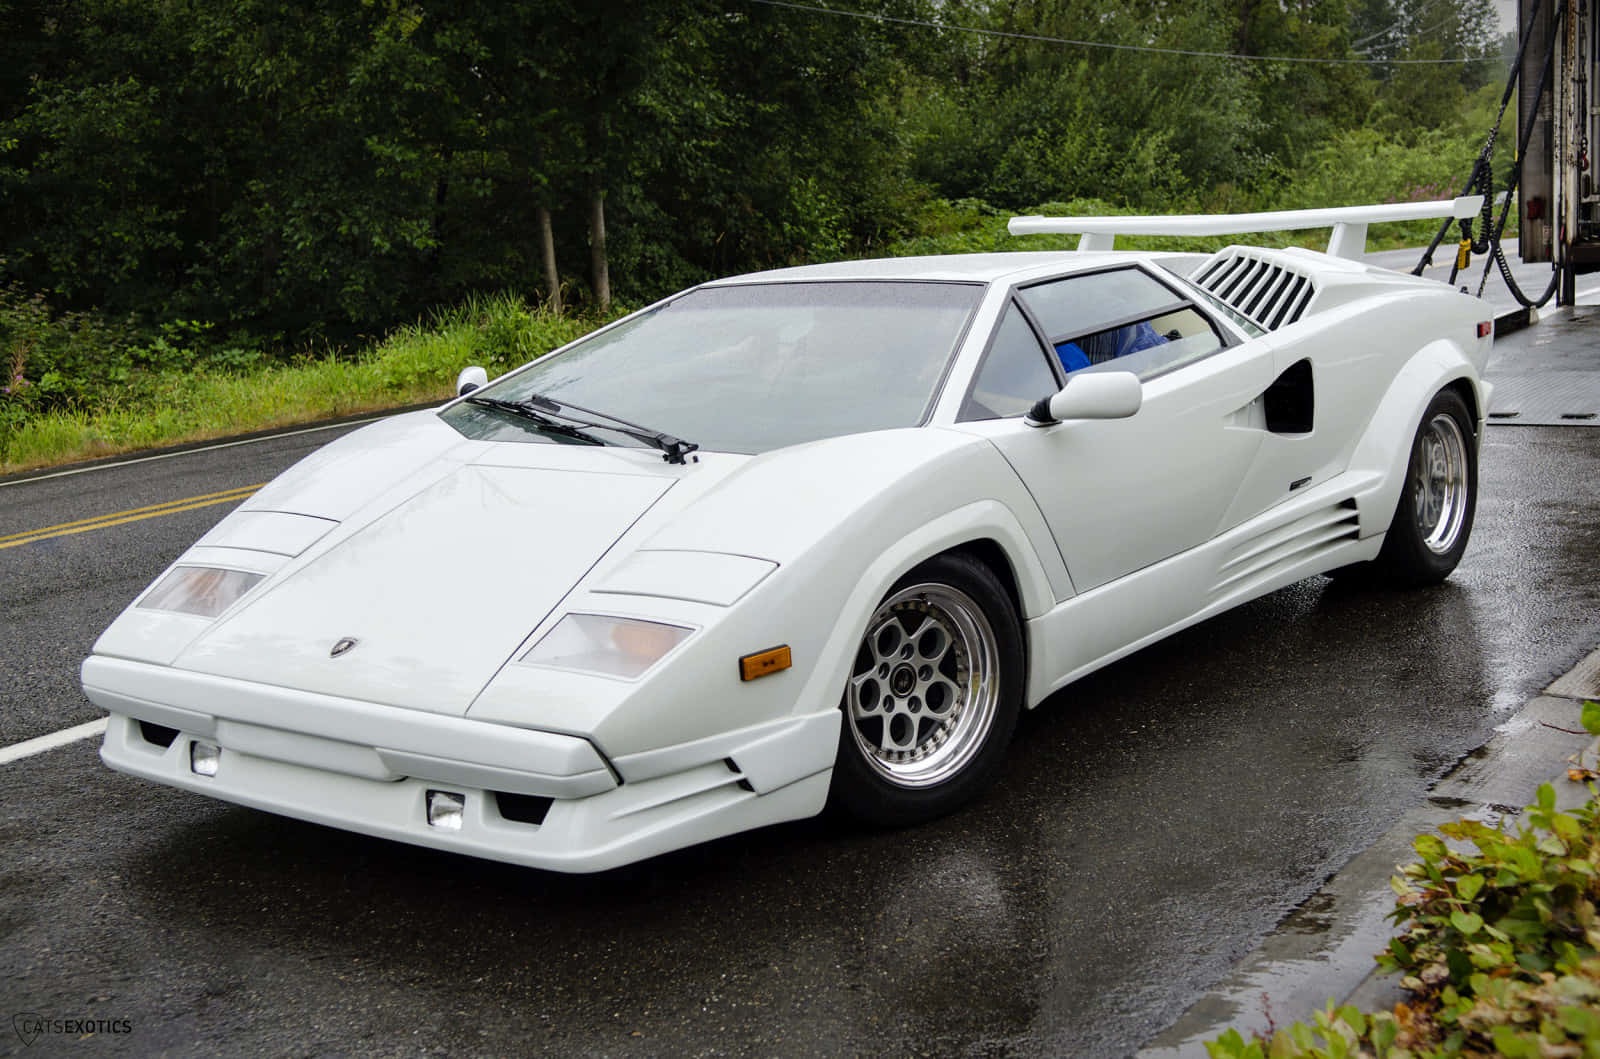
<point x="542" y="799"/>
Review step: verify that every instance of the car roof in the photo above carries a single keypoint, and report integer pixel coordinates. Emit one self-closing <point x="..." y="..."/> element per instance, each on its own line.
<point x="958" y="268"/>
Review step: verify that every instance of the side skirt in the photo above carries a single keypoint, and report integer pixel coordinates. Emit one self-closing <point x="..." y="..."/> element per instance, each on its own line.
<point x="1316" y="533"/>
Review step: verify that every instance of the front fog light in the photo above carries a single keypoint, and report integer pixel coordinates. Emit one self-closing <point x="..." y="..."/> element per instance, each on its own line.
<point x="445" y="810"/>
<point x="204" y="758"/>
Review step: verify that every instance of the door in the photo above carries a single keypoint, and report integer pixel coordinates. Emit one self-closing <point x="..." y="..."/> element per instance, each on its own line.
<point x="1122" y="494"/>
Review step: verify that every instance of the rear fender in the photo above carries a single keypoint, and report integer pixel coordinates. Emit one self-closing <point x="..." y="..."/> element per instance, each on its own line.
<point x="1385" y="446"/>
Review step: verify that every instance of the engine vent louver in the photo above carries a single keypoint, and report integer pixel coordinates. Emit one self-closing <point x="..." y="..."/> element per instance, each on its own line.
<point x="1276" y="551"/>
<point x="1268" y="292"/>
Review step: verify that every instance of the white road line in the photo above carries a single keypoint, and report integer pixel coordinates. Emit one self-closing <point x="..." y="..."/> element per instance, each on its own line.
<point x="205" y="448"/>
<point x="30" y="747"/>
<point x="1591" y="292"/>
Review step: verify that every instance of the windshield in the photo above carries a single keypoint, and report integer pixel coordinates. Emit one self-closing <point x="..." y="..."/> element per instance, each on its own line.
<point x="753" y="367"/>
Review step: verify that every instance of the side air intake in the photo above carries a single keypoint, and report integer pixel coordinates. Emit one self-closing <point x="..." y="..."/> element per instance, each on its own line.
<point x="1264" y="289"/>
<point x="1278" y="551"/>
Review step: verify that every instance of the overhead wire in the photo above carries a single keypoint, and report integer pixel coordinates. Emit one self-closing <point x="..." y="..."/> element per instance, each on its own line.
<point x="1397" y="26"/>
<point x="1106" y="45"/>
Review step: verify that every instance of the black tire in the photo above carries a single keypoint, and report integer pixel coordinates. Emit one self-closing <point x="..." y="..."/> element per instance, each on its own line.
<point x="1433" y="520"/>
<point x="933" y="697"/>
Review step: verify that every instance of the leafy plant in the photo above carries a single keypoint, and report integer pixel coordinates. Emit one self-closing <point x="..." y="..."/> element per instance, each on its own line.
<point x="1334" y="1033"/>
<point x="16" y="398"/>
<point x="72" y="356"/>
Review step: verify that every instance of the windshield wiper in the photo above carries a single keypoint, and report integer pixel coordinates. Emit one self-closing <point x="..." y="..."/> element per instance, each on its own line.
<point x="673" y="449"/>
<point x="527" y="410"/>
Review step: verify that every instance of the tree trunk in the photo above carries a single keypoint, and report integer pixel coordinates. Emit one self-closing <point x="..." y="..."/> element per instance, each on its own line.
<point x="547" y="254"/>
<point x="597" y="248"/>
<point x="441" y="193"/>
<point x="272" y="237"/>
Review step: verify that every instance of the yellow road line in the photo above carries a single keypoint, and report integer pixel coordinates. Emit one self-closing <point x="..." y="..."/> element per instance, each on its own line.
<point x="244" y="490"/>
<point x="118" y="518"/>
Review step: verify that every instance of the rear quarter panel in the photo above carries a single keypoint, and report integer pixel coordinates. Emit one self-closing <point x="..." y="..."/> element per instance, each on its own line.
<point x="1368" y="383"/>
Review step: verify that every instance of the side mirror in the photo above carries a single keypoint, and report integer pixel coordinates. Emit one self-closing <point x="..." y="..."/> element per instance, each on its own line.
<point x="1092" y="395"/>
<point x="473" y="378"/>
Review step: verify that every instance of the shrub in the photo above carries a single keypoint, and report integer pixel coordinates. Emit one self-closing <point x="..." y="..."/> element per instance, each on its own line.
<point x="70" y="357"/>
<point x="498" y="332"/>
<point x="17" y="397"/>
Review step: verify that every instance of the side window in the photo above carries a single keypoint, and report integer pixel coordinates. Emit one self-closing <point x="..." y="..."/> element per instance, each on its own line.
<point x="1014" y="374"/>
<point x="1152" y="346"/>
<point x="1120" y="320"/>
<point x="1080" y="304"/>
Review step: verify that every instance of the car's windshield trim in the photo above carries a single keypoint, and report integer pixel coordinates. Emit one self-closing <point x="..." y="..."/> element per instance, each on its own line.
<point x="1011" y="301"/>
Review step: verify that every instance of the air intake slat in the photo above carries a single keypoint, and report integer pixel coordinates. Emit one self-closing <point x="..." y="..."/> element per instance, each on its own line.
<point x="1241" y="294"/>
<point x="1241" y="275"/>
<point x="1239" y="270"/>
<point x="1287" y="305"/>
<point x="1308" y="524"/>
<point x="1288" y="552"/>
<point x="1274" y="300"/>
<point x="1267" y="284"/>
<point x="1305" y="299"/>
<point x="1204" y="276"/>
<point x="1264" y="286"/>
<point x="1225" y="281"/>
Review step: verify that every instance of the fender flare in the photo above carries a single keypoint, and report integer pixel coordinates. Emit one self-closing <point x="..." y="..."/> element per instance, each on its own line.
<point x="1385" y="445"/>
<point x="977" y="521"/>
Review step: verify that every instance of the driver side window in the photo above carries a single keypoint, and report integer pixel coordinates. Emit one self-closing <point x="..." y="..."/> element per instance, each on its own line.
<point x="1120" y="319"/>
<point x="1014" y="374"/>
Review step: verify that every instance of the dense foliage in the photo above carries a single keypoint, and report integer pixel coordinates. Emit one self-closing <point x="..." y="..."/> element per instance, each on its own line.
<point x="198" y="178"/>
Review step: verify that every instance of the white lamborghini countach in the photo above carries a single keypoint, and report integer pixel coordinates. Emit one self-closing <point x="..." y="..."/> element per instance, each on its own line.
<point x="794" y="540"/>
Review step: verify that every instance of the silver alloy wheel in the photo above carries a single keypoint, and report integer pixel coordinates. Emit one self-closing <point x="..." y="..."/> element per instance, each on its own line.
<point x="1439" y="483"/>
<point x="925" y="686"/>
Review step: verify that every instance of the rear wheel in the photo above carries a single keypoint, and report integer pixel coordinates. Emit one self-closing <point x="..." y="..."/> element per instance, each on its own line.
<point x="933" y="695"/>
<point x="1434" y="517"/>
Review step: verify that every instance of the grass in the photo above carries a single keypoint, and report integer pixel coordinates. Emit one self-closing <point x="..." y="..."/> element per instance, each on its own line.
<point x="414" y="364"/>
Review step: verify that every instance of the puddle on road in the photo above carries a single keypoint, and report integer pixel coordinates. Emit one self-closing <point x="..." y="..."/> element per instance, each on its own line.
<point x="1314" y="916"/>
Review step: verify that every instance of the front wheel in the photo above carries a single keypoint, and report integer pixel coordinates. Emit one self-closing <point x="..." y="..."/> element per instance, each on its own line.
<point x="1434" y="517"/>
<point x="933" y="695"/>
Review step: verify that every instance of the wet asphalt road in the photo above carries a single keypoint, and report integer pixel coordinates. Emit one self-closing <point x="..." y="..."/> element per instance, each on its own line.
<point x="1157" y="820"/>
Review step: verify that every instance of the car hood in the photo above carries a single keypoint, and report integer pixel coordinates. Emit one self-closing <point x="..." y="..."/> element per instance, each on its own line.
<point x="438" y="589"/>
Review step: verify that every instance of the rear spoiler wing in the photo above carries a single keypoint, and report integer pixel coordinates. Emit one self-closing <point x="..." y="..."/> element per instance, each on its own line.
<point x="1349" y="223"/>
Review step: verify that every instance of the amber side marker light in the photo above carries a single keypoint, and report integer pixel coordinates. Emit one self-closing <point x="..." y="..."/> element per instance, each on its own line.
<point x="765" y="663"/>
